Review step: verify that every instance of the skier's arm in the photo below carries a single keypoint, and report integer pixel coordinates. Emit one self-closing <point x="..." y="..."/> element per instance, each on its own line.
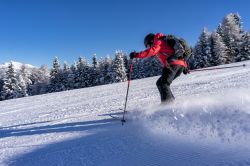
<point x="150" y="51"/>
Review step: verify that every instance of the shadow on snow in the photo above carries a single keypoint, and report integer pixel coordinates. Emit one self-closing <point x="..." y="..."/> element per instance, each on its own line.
<point x="102" y="140"/>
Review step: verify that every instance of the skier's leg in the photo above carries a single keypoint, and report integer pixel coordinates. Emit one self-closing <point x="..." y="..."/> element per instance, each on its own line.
<point x="159" y="86"/>
<point x="179" y="70"/>
<point x="164" y="82"/>
<point x="167" y="95"/>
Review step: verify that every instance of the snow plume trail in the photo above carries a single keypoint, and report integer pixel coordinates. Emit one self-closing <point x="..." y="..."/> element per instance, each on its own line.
<point x="224" y="118"/>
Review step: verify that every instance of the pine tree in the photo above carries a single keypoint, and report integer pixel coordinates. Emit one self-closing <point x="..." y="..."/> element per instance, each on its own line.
<point x="11" y="88"/>
<point x="245" y="49"/>
<point x="87" y="76"/>
<point x="156" y="66"/>
<point x="40" y="81"/>
<point x="219" y="54"/>
<point x="56" y="77"/>
<point x="220" y="31"/>
<point x="237" y="19"/>
<point x="118" y="69"/>
<point x="65" y="76"/>
<point x="72" y="77"/>
<point x="24" y="80"/>
<point x="44" y="79"/>
<point x="141" y="69"/>
<point x="146" y="64"/>
<point x="95" y="62"/>
<point x="231" y="29"/>
<point x="1" y="87"/>
<point x="126" y="63"/>
<point x="23" y="86"/>
<point x="94" y="72"/>
<point x="152" y="67"/>
<point x="138" y="69"/>
<point x="105" y="71"/>
<point x="191" y="60"/>
<point x="82" y="73"/>
<point x="202" y="50"/>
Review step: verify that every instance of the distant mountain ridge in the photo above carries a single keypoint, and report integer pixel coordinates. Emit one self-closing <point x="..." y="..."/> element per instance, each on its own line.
<point x="17" y="66"/>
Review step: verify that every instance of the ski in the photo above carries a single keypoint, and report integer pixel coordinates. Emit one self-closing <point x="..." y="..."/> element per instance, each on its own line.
<point x="118" y="115"/>
<point x="115" y="117"/>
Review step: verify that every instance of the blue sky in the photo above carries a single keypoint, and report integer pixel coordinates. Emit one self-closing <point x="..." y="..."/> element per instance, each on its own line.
<point x="35" y="31"/>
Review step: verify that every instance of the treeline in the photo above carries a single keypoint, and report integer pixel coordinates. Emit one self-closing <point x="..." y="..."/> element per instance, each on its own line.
<point x="81" y="74"/>
<point x="227" y="44"/>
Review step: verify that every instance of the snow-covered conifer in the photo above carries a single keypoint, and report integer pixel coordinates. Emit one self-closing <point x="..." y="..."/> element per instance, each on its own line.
<point x="65" y="76"/>
<point x="202" y="50"/>
<point x="219" y="54"/>
<point x="220" y="31"/>
<point x="1" y="87"/>
<point x="245" y="49"/>
<point x="94" y="72"/>
<point x="56" y="77"/>
<point x="82" y="73"/>
<point x="72" y="77"/>
<point x="11" y="87"/>
<point x="232" y="35"/>
<point x="156" y="66"/>
<point x="138" y="69"/>
<point x="118" y="69"/>
<point x="126" y="62"/>
<point x="105" y="71"/>
<point x="40" y="81"/>
<point x="95" y="62"/>
<point x="24" y="80"/>
<point x="152" y="66"/>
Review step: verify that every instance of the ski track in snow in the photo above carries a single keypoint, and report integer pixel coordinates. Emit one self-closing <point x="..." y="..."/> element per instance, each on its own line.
<point x="208" y="125"/>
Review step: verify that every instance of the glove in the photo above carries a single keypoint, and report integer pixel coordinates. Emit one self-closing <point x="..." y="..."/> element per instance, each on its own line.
<point x="132" y="55"/>
<point x="186" y="71"/>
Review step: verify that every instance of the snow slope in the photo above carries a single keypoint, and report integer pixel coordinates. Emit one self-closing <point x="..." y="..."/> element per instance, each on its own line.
<point x="209" y="124"/>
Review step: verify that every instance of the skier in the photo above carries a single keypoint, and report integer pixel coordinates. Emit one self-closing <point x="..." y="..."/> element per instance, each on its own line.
<point x="171" y="56"/>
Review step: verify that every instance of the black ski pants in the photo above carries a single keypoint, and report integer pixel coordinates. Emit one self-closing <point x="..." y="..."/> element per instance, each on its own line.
<point x="164" y="82"/>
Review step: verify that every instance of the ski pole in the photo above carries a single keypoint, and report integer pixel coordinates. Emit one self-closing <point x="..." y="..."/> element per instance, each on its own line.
<point x="218" y="68"/>
<point x="129" y="79"/>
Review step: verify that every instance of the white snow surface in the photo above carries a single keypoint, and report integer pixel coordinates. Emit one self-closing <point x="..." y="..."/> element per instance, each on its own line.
<point x="209" y="124"/>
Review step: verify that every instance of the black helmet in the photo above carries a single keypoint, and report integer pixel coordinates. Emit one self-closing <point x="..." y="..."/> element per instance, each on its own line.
<point x="149" y="40"/>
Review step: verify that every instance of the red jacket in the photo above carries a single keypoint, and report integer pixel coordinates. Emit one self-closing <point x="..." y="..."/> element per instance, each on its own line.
<point x="162" y="50"/>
